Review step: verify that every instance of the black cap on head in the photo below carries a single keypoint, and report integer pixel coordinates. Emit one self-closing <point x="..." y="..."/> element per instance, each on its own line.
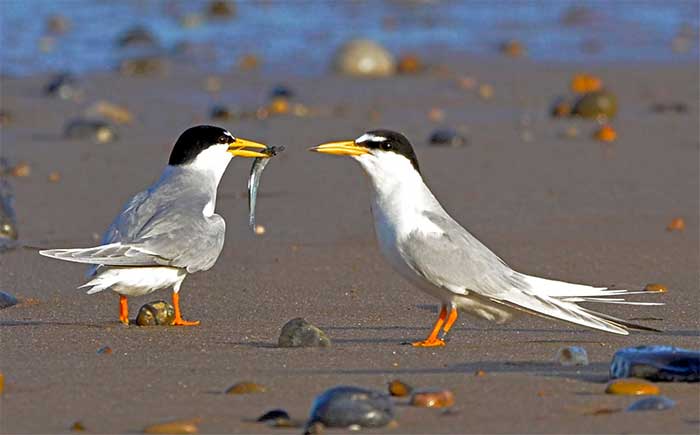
<point x="195" y="140"/>
<point x="390" y="141"/>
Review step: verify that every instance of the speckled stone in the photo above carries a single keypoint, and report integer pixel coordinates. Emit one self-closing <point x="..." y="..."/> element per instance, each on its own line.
<point x="572" y="356"/>
<point x="300" y="333"/>
<point x="156" y="313"/>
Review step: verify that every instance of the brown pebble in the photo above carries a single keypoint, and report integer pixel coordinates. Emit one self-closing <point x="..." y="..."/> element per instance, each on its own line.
<point x="432" y="398"/>
<point x="602" y="411"/>
<point x="677" y="224"/>
<point x="654" y="287"/>
<point x="606" y="133"/>
<point x="77" y="426"/>
<point x="174" y="427"/>
<point x="104" y="350"/>
<point x="541" y="393"/>
<point x="21" y="169"/>
<point x="436" y="114"/>
<point x="115" y="113"/>
<point x="2" y="383"/>
<point x="212" y="84"/>
<point x="480" y="373"/>
<point x="409" y="64"/>
<point x="467" y="83"/>
<point x="631" y="387"/>
<point x="246" y="388"/>
<point x="249" y="62"/>
<point x="513" y="48"/>
<point x="55" y="177"/>
<point x="561" y="108"/>
<point x="399" y="389"/>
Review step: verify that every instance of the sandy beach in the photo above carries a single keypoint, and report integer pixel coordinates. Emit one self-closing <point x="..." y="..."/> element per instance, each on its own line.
<point x="567" y="208"/>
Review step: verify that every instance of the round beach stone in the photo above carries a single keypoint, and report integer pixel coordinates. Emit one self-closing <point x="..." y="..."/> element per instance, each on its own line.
<point x="432" y="398"/>
<point x="344" y="406"/>
<point x="364" y="58"/>
<point x="572" y="356"/>
<point x="398" y="388"/>
<point x="246" y="388"/>
<point x="596" y="104"/>
<point x="7" y="300"/>
<point x="655" y="403"/>
<point x="300" y="333"/>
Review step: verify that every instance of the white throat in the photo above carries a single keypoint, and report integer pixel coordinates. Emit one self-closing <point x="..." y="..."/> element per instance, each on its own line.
<point x="209" y="167"/>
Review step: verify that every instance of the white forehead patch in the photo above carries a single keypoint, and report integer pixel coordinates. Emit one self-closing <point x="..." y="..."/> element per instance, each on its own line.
<point x="367" y="137"/>
<point x="229" y="135"/>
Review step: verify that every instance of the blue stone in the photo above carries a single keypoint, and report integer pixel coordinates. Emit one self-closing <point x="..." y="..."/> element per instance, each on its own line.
<point x="654" y="403"/>
<point x="656" y="364"/>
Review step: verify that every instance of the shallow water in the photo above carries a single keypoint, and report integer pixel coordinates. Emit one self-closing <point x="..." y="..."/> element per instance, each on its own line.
<point x="301" y="36"/>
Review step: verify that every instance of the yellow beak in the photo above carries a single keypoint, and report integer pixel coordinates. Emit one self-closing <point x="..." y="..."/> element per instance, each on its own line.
<point x="342" y="148"/>
<point x="237" y="148"/>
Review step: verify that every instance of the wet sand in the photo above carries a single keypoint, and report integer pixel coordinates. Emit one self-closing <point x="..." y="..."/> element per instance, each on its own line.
<point x="571" y="209"/>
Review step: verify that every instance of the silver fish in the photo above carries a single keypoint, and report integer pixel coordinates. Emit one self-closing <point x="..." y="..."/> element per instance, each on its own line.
<point x="254" y="181"/>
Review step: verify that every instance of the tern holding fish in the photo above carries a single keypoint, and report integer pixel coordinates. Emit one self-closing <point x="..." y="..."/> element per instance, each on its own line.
<point x="170" y="229"/>
<point x="437" y="255"/>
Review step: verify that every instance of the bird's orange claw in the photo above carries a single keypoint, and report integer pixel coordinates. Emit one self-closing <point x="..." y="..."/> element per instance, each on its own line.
<point x="178" y="316"/>
<point x="429" y="343"/>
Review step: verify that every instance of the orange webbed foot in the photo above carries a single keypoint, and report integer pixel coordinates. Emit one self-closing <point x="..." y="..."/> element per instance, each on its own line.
<point x="429" y="343"/>
<point x="181" y="322"/>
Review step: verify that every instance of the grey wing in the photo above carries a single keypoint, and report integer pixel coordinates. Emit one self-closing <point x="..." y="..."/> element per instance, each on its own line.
<point x="458" y="261"/>
<point x="189" y="241"/>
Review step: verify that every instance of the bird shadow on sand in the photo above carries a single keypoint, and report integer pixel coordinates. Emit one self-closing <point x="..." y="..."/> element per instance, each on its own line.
<point x="11" y="323"/>
<point x="594" y="373"/>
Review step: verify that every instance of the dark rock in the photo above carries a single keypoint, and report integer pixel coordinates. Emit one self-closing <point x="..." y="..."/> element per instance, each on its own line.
<point x="57" y="24"/>
<point x="281" y="91"/>
<point x="345" y="406"/>
<point x="655" y="403"/>
<point x="7" y="300"/>
<point x="64" y="86"/>
<point x="678" y="107"/>
<point x="656" y="363"/>
<point x="278" y="418"/>
<point x="8" y="221"/>
<point x="447" y="137"/>
<point x="221" y="9"/>
<point x="96" y="130"/>
<point x="158" y="313"/>
<point x="300" y="333"/>
<point x="137" y="35"/>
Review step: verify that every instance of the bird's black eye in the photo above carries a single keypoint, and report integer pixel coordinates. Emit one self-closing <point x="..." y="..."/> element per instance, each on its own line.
<point x="224" y="139"/>
<point x="386" y="146"/>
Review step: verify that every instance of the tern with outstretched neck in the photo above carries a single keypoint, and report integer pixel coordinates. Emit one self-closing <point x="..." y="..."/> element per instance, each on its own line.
<point x="437" y="255"/>
<point x="170" y="229"/>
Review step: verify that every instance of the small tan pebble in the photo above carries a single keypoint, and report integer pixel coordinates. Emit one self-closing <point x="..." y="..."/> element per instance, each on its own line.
<point x="583" y="83"/>
<point x="409" y="64"/>
<point x="541" y="393"/>
<point x="77" y="426"/>
<point x="480" y="373"/>
<point x="262" y="113"/>
<point x="393" y="424"/>
<point x="212" y="84"/>
<point x="436" y="114"/>
<point x="485" y="91"/>
<point x="249" y="62"/>
<point x="399" y="389"/>
<point x="606" y="133"/>
<point x="246" y="388"/>
<point x="631" y="387"/>
<point x="21" y="169"/>
<point x="174" y="427"/>
<point x="54" y="177"/>
<point x="113" y="112"/>
<point x="432" y="398"/>
<point x="259" y="230"/>
<point x="561" y="108"/>
<point x="2" y="383"/>
<point x="677" y="224"/>
<point x="104" y="135"/>
<point x="104" y="350"/>
<point x="279" y="106"/>
<point x="466" y="82"/>
<point x="513" y="48"/>
<point x="654" y="287"/>
<point x="316" y="428"/>
<point x="602" y="411"/>
<point x="354" y="428"/>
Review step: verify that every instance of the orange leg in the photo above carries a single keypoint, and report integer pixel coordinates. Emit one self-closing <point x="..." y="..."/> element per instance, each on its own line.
<point x="451" y="319"/>
<point x="433" y="340"/>
<point x="123" y="310"/>
<point x="178" y="317"/>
